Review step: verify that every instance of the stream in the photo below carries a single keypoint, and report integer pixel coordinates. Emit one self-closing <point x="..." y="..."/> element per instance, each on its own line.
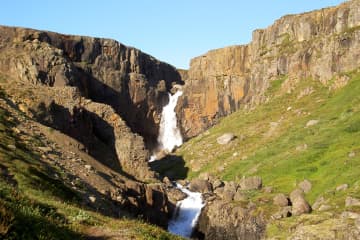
<point x="187" y="210"/>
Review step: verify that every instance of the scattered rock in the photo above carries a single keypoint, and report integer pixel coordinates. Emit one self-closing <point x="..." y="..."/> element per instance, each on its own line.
<point x="239" y="196"/>
<point x="45" y="149"/>
<point x="225" y="138"/>
<point x="251" y="183"/>
<point x="299" y="204"/>
<point x="231" y="186"/>
<point x="312" y="123"/>
<point x="342" y="187"/>
<point x="305" y="186"/>
<point x="283" y="213"/>
<point x="351" y="154"/>
<point x="11" y="147"/>
<point x="318" y="202"/>
<point x="176" y="195"/>
<point x="289" y="108"/>
<point x="350" y="201"/>
<point x="268" y="189"/>
<point x="302" y="147"/>
<point x="351" y="215"/>
<point x="88" y="167"/>
<point x="199" y="185"/>
<point x="324" y="207"/>
<point x="92" y="199"/>
<point x="281" y="200"/>
<point x="217" y="183"/>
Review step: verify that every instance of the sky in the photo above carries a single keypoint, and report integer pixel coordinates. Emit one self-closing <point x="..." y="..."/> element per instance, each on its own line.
<point x="173" y="31"/>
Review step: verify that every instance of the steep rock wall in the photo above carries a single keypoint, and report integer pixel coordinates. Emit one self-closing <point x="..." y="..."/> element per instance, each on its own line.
<point x="317" y="44"/>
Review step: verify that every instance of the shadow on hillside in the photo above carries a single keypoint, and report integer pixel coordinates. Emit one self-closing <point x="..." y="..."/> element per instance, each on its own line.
<point x="170" y="166"/>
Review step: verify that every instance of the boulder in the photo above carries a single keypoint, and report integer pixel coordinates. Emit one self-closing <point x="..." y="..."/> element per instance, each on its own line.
<point x="299" y="204"/>
<point x="342" y="187"/>
<point x="312" y="123"/>
<point x="225" y="138"/>
<point x="199" y="185"/>
<point x="251" y="183"/>
<point x="282" y="213"/>
<point x="305" y="186"/>
<point x="351" y="201"/>
<point x="281" y="200"/>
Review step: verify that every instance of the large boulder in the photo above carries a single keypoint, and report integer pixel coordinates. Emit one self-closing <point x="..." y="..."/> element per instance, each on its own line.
<point x="199" y="185"/>
<point x="299" y="204"/>
<point x="225" y="138"/>
<point x="251" y="183"/>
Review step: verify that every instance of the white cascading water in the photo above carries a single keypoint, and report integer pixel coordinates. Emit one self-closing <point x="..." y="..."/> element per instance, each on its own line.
<point x="169" y="133"/>
<point x="186" y="214"/>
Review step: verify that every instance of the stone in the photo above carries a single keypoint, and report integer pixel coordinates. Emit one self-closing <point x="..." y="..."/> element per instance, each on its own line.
<point x="324" y="207"/>
<point x="45" y="149"/>
<point x="302" y="147"/>
<point x="239" y="196"/>
<point x="282" y="213"/>
<point x="92" y="199"/>
<point x="351" y="215"/>
<point x="318" y="202"/>
<point x="199" y="185"/>
<point x="231" y="186"/>
<point x="342" y="187"/>
<point x="299" y="204"/>
<point x="88" y="167"/>
<point x="228" y="195"/>
<point x="305" y="186"/>
<point x="351" y="154"/>
<point x="225" y="138"/>
<point x="217" y="183"/>
<point x="351" y="201"/>
<point x="251" y="183"/>
<point x="280" y="200"/>
<point x="167" y="182"/>
<point x="11" y="147"/>
<point x="312" y="123"/>
<point x="268" y="189"/>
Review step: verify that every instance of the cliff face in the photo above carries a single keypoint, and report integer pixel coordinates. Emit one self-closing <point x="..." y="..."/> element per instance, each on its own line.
<point x="318" y="44"/>
<point x="98" y="91"/>
<point x="133" y="83"/>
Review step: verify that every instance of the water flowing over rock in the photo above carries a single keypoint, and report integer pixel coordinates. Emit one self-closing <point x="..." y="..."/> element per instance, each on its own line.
<point x="169" y="134"/>
<point x="186" y="214"/>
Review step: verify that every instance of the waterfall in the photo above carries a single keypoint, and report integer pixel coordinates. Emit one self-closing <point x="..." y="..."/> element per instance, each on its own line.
<point x="186" y="214"/>
<point x="169" y="134"/>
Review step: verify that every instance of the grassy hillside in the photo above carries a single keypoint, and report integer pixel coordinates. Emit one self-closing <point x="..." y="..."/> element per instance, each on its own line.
<point x="35" y="203"/>
<point x="274" y="142"/>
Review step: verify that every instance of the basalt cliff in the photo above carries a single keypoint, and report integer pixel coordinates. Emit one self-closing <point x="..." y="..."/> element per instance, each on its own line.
<point x="318" y="45"/>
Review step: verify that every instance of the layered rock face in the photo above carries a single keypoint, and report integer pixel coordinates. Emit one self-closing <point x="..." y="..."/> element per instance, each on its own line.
<point x="98" y="91"/>
<point x="318" y="44"/>
<point x="133" y="83"/>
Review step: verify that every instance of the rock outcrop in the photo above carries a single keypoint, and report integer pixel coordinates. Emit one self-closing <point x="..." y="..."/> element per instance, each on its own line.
<point x="318" y="44"/>
<point x="98" y="91"/>
<point x="133" y="83"/>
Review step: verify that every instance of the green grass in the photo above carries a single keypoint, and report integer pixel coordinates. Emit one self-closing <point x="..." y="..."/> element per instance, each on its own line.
<point x="34" y="204"/>
<point x="271" y="134"/>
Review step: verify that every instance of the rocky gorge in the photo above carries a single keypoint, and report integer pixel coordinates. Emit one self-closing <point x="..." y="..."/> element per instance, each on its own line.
<point x="97" y="105"/>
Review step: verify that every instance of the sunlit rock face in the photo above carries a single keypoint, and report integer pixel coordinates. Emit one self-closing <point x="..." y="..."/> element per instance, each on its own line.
<point x="318" y="45"/>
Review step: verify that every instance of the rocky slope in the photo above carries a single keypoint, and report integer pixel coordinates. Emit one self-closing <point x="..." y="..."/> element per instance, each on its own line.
<point x="75" y="68"/>
<point x="316" y="45"/>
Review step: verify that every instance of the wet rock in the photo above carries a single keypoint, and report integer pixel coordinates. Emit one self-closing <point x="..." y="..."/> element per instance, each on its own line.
<point x="305" y="186"/>
<point x="225" y="138"/>
<point x="281" y="200"/>
<point x="251" y="183"/>
<point x="351" y="201"/>
<point x="199" y="185"/>
<point x="342" y="187"/>
<point x="299" y="204"/>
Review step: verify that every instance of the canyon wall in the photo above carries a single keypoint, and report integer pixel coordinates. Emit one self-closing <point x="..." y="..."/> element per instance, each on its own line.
<point x="318" y="44"/>
<point x="98" y="91"/>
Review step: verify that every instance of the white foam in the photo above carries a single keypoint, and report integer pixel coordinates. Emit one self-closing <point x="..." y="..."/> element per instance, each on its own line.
<point x="169" y="133"/>
<point x="186" y="214"/>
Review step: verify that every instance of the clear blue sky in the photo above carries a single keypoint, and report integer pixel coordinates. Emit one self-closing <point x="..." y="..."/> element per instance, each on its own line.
<point x="171" y="30"/>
